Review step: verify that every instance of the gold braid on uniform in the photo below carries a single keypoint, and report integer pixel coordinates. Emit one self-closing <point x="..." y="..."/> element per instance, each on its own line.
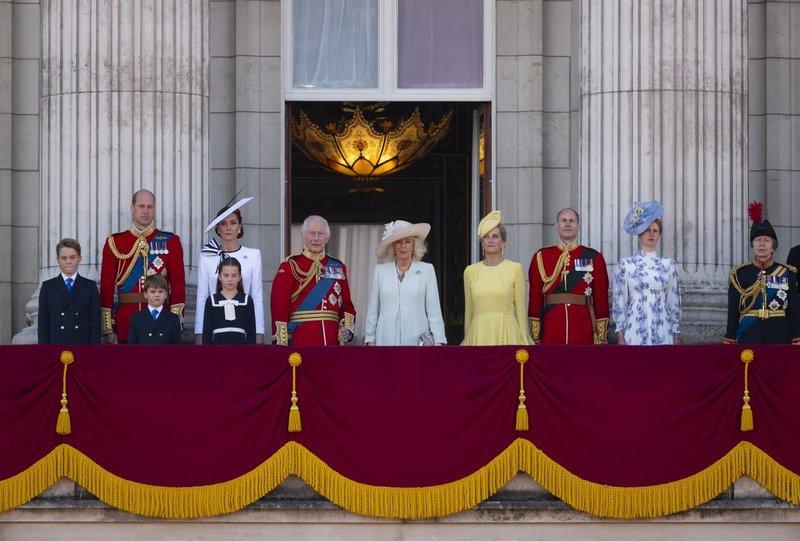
<point x="748" y="296"/>
<point x="561" y="264"/>
<point x="305" y="277"/>
<point x="140" y="247"/>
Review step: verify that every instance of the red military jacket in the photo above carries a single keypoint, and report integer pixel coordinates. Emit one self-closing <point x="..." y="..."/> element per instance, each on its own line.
<point x="573" y="270"/>
<point x="305" y="313"/>
<point x="128" y="257"/>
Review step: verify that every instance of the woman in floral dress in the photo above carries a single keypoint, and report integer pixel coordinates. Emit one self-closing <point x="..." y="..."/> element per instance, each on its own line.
<point x="647" y="295"/>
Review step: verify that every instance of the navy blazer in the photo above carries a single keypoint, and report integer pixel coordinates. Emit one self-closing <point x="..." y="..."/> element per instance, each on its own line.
<point x="69" y="317"/>
<point x="794" y="257"/>
<point x="146" y="330"/>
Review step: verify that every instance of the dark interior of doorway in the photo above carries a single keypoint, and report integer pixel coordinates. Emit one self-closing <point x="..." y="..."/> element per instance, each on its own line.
<point x="436" y="190"/>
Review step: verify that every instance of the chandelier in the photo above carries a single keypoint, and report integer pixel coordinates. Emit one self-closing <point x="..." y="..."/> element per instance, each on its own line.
<point x="364" y="150"/>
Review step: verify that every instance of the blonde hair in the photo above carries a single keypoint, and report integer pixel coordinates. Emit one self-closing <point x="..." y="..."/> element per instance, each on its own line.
<point x="420" y="249"/>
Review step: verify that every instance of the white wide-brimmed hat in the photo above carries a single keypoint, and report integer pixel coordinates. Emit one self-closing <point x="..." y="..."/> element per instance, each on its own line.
<point x="227" y="210"/>
<point x="400" y="229"/>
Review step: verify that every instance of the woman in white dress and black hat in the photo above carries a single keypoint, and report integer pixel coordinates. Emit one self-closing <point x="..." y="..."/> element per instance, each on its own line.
<point x="228" y="226"/>
<point x="404" y="307"/>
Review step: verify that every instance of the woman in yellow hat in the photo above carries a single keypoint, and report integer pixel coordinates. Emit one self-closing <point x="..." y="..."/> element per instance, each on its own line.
<point x="495" y="293"/>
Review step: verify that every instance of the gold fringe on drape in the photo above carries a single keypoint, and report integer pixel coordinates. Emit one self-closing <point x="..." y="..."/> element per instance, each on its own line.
<point x="402" y="502"/>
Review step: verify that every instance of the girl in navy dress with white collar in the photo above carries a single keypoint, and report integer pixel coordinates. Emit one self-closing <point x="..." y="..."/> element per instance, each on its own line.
<point x="229" y="317"/>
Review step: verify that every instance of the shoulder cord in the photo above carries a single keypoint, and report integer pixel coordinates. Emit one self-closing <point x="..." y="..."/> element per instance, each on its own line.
<point x="141" y="247"/>
<point x="303" y="277"/>
<point x="561" y="264"/>
<point x="748" y="297"/>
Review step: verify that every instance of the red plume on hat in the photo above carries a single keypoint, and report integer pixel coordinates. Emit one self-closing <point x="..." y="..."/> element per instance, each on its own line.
<point x="760" y="227"/>
<point x="755" y="211"/>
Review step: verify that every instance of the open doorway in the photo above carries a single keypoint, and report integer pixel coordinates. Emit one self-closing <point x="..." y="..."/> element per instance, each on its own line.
<point x="446" y="188"/>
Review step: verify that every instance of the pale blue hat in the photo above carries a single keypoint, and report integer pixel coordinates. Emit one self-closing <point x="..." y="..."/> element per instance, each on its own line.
<point x="641" y="216"/>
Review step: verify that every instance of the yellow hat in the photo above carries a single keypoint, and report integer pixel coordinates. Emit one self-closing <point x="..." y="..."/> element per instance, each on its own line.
<point x="489" y="222"/>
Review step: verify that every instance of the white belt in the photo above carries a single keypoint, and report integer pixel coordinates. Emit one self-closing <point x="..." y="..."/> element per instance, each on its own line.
<point x="230" y="329"/>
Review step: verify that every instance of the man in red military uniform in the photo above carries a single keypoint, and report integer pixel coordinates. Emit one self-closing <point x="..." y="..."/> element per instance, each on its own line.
<point x="568" y="299"/>
<point x="128" y="258"/>
<point x="310" y="299"/>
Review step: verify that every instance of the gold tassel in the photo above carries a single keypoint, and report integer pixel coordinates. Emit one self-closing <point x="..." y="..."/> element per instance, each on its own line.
<point x="522" y="411"/>
<point x="294" y="411"/>
<point x="747" y="412"/>
<point x="64" y="425"/>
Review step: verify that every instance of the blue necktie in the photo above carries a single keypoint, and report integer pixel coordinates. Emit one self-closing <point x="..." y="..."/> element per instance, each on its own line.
<point x="155" y="314"/>
<point x="69" y="281"/>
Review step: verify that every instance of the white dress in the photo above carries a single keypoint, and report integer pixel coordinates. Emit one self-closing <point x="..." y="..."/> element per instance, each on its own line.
<point x="399" y="312"/>
<point x="647" y="299"/>
<point x="250" y="260"/>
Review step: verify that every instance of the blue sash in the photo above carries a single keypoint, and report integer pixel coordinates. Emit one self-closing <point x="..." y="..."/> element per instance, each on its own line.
<point x="747" y="321"/>
<point x="316" y="295"/>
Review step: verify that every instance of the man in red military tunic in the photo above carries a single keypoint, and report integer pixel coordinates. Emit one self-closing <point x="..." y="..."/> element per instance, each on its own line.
<point x="131" y="256"/>
<point x="310" y="299"/>
<point x="568" y="300"/>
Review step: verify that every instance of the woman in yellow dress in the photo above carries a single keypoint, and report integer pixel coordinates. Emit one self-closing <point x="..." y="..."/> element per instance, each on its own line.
<point x="495" y="293"/>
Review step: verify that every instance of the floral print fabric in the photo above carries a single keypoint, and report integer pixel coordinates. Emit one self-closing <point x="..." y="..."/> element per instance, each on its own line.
<point x="647" y="299"/>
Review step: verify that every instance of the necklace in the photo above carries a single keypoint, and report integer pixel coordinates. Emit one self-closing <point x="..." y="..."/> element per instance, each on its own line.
<point x="401" y="273"/>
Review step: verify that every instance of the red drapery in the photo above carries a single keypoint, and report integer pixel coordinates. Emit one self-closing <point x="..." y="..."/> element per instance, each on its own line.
<point x="408" y="432"/>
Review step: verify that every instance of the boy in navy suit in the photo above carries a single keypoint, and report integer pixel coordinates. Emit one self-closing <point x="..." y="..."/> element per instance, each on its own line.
<point x="153" y="324"/>
<point x="69" y="304"/>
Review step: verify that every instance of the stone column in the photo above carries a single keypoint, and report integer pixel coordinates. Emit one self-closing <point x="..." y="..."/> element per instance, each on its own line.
<point x="663" y="116"/>
<point x="774" y="117"/>
<point x="124" y="105"/>
<point x="6" y="62"/>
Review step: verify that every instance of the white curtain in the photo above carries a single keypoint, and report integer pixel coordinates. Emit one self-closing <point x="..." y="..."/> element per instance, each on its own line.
<point x="355" y="245"/>
<point x="440" y="44"/>
<point x="335" y="43"/>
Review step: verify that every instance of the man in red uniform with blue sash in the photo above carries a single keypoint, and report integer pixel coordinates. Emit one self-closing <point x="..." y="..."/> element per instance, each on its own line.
<point x="568" y="299"/>
<point x="131" y="256"/>
<point x="310" y="299"/>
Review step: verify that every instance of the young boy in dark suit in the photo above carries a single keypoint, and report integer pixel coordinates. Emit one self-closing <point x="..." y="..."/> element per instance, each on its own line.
<point x="69" y="304"/>
<point x="154" y="324"/>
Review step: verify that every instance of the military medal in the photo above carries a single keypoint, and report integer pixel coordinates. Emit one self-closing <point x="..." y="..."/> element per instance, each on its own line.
<point x="158" y="263"/>
<point x="337" y="288"/>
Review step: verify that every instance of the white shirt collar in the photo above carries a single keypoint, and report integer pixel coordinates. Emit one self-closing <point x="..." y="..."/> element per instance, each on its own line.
<point x="74" y="277"/>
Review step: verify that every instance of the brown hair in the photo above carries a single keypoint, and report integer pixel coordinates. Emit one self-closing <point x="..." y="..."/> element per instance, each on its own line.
<point x="155" y="281"/>
<point x="68" y="243"/>
<point x="238" y="215"/>
<point x="660" y="225"/>
<point x="230" y="262"/>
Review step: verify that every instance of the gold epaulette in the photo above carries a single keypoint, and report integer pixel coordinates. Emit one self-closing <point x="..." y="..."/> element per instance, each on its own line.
<point x="732" y="272"/>
<point x="791" y="268"/>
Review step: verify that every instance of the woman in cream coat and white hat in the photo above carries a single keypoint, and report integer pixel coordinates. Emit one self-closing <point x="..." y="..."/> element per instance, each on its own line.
<point x="404" y="307"/>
